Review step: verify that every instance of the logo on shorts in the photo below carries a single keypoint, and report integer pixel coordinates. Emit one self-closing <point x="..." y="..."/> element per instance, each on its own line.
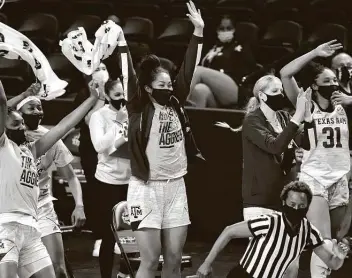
<point x="136" y="211"/>
<point x="2" y="245"/>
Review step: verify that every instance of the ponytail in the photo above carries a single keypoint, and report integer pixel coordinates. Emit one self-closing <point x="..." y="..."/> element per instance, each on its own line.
<point x="252" y="105"/>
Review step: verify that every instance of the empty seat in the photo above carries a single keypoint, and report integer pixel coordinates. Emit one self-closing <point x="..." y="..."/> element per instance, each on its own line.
<point x="179" y="29"/>
<point x="14" y="85"/>
<point x="269" y="54"/>
<point x="139" y="29"/>
<point x="138" y="50"/>
<point x="99" y="8"/>
<point x="139" y="8"/>
<point x="90" y="23"/>
<point x="40" y="25"/>
<point x="330" y="31"/>
<point x="13" y="67"/>
<point x="247" y="33"/>
<point x="239" y="13"/>
<point x="283" y="33"/>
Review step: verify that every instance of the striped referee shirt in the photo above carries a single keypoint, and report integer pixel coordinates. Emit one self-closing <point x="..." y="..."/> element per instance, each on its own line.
<point x="275" y="245"/>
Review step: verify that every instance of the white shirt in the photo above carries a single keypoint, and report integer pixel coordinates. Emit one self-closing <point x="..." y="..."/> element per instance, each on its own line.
<point x="166" y="150"/>
<point x="19" y="189"/>
<point x="104" y="131"/>
<point x="58" y="155"/>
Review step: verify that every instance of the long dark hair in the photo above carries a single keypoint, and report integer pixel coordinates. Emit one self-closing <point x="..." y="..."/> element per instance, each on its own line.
<point x="149" y="67"/>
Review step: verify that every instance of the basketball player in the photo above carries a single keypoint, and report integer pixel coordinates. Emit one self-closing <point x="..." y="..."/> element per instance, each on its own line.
<point x="32" y="112"/>
<point x="21" y="248"/>
<point x="326" y="163"/>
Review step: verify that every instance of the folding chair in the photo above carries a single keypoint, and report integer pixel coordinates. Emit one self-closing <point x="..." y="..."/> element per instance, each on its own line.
<point x="126" y="241"/>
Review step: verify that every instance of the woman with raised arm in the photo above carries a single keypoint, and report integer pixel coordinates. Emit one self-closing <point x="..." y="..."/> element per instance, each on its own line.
<point x="326" y="162"/>
<point x="22" y="250"/>
<point x="160" y="143"/>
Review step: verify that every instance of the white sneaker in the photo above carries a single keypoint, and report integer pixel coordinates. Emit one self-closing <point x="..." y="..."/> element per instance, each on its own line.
<point x="117" y="249"/>
<point x="96" y="248"/>
<point x="120" y="275"/>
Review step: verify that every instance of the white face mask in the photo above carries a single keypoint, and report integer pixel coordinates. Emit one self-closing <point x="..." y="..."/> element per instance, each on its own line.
<point x="226" y="36"/>
<point x="101" y="76"/>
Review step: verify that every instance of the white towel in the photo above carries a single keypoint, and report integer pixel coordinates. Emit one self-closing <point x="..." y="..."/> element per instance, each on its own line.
<point x="85" y="56"/>
<point x="14" y="45"/>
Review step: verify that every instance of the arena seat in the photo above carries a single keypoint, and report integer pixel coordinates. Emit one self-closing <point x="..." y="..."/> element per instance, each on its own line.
<point x="283" y="33"/>
<point x="267" y="54"/>
<point x="330" y="31"/>
<point x="43" y="30"/>
<point x="247" y="33"/>
<point x="3" y="18"/>
<point x="13" y="85"/>
<point x="93" y="7"/>
<point x="139" y="29"/>
<point x="12" y="67"/>
<point x="90" y="23"/>
<point x="125" y="9"/>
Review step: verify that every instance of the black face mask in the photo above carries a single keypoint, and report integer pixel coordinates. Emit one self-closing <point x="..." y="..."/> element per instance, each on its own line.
<point x="344" y="74"/>
<point x="326" y="91"/>
<point x="16" y="135"/>
<point x="275" y="102"/>
<point x="118" y="103"/>
<point x="32" y="121"/>
<point x="294" y="216"/>
<point x="162" y="96"/>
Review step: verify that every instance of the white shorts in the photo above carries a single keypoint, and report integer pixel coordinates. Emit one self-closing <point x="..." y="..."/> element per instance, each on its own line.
<point x="252" y="212"/>
<point x="47" y="220"/>
<point x="157" y="204"/>
<point x="23" y="245"/>
<point x="336" y="195"/>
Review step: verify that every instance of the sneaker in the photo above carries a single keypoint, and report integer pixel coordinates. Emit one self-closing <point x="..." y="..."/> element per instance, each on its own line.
<point x="117" y="249"/>
<point x="121" y="275"/>
<point x="96" y="248"/>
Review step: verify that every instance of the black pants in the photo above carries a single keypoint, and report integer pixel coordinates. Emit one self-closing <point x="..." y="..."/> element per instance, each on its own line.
<point x="238" y="272"/>
<point x="107" y="196"/>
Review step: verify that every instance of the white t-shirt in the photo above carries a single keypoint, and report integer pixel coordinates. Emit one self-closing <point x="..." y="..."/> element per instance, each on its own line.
<point x="166" y="150"/>
<point x="19" y="189"/>
<point x="328" y="159"/>
<point x="58" y="155"/>
<point x="104" y="131"/>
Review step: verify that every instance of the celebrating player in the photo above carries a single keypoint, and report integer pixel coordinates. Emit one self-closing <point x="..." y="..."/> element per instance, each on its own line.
<point x="327" y="162"/>
<point x="22" y="250"/>
<point x="32" y="113"/>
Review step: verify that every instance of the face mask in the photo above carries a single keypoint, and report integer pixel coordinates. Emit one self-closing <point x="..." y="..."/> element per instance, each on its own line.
<point x="226" y="36"/>
<point x="326" y="91"/>
<point x="344" y="74"/>
<point x="32" y="121"/>
<point x="294" y="216"/>
<point x="16" y="136"/>
<point x="118" y="103"/>
<point x="162" y="96"/>
<point x="275" y="102"/>
<point x="101" y="76"/>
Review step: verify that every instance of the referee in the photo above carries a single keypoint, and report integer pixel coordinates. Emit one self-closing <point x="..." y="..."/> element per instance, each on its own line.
<point x="277" y="239"/>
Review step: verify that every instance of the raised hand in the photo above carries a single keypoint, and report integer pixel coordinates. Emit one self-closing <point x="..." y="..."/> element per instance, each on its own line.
<point x="341" y="98"/>
<point x="308" y="114"/>
<point x="327" y="49"/>
<point x="195" y="16"/>
<point x="96" y="89"/>
<point x="340" y="249"/>
<point x="33" y="90"/>
<point x="222" y="124"/>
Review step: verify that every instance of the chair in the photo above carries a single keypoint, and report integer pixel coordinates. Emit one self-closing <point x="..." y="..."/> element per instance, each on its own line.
<point x="139" y="29"/>
<point x="179" y="29"/>
<point x="247" y="33"/>
<point x="90" y="23"/>
<point x="238" y="13"/>
<point x="138" y="50"/>
<point x="269" y="54"/>
<point x="93" y="7"/>
<point x="283" y="33"/>
<point x="138" y="8"/>
<point x="13" y="85"/>
<point x="12" y="67"/>
<point x="3" y="18"/>
<point x="127" y="243"/>
<point x="330" y="31"/>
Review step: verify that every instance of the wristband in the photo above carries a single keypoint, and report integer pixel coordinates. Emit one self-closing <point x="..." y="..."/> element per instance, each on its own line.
<point x="121" y="43"/>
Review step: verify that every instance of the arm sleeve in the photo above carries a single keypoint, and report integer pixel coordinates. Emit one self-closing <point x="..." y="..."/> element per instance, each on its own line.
<point x="314" y="238"/>
<point x="185" y="74"/>
<point x="103" y="142"/>
<point x="63" y="156"/>
<point x="259" y="225"/>
<point x="255" y="131"/>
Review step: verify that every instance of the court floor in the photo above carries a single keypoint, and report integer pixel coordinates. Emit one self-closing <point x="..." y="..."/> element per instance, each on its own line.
<point x="79" y="250"/>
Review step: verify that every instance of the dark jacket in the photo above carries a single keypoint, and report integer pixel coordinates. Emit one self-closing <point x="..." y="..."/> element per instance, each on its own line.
<point x="265" y="170"/>
<point x="141" y="113"/>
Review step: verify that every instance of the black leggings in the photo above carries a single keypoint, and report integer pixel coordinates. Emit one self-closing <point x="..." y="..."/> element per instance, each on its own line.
<point x="107" y="197"/>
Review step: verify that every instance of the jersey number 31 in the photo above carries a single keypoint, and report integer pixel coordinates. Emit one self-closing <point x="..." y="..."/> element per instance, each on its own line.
<point x="333" y="137"/>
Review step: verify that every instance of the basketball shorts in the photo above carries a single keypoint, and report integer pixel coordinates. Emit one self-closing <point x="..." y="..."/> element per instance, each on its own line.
<point x="336" y="195"/>
<point x="47" y="220"/>
<point x="23" y="245"/>
<point x="157" y="204"/>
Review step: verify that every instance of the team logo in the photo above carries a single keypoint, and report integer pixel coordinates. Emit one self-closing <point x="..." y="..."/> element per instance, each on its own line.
<point x="136" y="211"/>
<point x="340" y="110"/>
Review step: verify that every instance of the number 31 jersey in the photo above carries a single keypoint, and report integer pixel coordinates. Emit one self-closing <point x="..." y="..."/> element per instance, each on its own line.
<point x="328" y="159"/>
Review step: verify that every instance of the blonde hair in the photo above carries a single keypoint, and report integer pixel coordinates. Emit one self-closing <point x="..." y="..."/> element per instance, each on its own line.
<point x="260" y="86"/>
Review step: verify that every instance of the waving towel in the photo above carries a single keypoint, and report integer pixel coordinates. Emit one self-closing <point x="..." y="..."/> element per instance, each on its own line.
<point x="85" y="56"/>
<point x="14" y="45"/>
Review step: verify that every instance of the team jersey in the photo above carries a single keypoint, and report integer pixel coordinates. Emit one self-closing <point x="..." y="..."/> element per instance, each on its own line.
<point x="58" y="155"/>
<point x="19" y="189"/>
<point x="166" y="150"/>
<point x="328" y="159"/>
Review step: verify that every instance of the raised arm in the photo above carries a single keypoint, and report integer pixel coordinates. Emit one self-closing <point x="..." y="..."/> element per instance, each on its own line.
<point x="32" y="90"/>
<point x="3" y="109"/>
<point x="192" y="56"/>
<point x="288" y="72"/>
<point x="333" y="259"/>
<point x="99" y="103"/>
<point x="42" y="145"/>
